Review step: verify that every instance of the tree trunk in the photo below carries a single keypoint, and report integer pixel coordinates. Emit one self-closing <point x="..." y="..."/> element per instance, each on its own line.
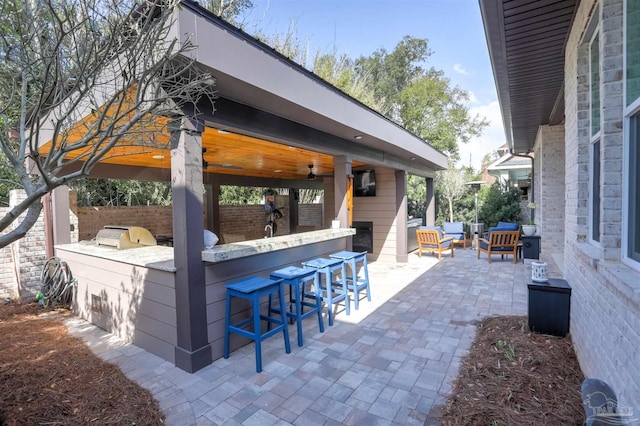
<point x="450" y="209"/>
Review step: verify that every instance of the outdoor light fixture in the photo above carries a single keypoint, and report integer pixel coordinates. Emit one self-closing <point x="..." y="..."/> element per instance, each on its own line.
<point x="357" y="137"/>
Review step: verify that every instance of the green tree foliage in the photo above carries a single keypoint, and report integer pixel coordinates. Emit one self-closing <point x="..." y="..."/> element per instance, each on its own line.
<point x="437" y="113"/>
<point x="341" y="71"/>
<point x="501" y="203"/>
<point x="416" y="196"/>
<point x="116" y="192"/>
<point x="238" y="195"/>
<point x="229" y="10"/>
<point x="391" y="72"/>
<point x="422" y="101"/>
<point x="464" y="206"/>
<point x="8" y="180"/>
<point x="450" y="184"/>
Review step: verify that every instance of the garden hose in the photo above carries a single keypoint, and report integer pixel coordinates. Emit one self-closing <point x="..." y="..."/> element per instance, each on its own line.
<point x="57" y="283"/>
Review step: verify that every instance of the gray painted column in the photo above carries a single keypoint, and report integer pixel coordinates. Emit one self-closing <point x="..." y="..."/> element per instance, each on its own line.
<point x="60" y="216"/>
<point x="431" y="204"/>
<point x="193" y="350"/>
<point x="342" y="169"/>
<point x="401" y="217"/>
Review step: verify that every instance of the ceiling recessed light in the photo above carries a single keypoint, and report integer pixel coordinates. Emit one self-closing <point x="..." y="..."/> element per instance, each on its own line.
<point x="223" y="132"/>
<point x="158" y="157"/>
<point x="413" y="158"/>
<point x="357" y="137"/>
<point x="277" y="171"/>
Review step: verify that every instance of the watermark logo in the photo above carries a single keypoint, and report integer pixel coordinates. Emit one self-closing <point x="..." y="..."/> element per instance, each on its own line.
<point x="607" y="410"/>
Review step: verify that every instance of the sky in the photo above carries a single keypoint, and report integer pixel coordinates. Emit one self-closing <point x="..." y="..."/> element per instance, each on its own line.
<point x="359" y="27"/>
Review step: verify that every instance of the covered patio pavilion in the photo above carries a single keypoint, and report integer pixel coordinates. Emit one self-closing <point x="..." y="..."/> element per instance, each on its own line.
<point x="272" y="119"/>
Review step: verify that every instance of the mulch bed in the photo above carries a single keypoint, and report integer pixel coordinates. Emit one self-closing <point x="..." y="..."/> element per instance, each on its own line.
<point x="514" y="377"/>
<point x="49" y="377"/>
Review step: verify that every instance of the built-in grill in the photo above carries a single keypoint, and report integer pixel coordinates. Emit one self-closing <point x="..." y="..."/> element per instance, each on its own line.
<point x="123" y="237"/>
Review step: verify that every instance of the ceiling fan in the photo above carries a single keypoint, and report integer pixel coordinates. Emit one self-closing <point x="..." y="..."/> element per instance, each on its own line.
<point x="311" y="175"/>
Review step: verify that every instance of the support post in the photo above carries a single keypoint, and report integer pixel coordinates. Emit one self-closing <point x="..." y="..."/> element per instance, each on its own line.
<point x="342" y="171"/>
<point x="193" y="350"/>
<point x="430" y="215"/>
<point x="401" y="217"/>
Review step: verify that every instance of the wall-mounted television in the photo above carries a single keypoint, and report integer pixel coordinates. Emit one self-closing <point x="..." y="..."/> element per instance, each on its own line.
<point x="364" y="183"/>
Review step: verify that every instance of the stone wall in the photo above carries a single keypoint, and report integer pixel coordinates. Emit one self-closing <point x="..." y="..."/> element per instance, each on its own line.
<point x="21" y="262"/>
<point x="605" y="302"/>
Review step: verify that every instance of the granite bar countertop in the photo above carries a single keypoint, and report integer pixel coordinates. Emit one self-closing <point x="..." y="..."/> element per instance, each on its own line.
<point x="153" y="257"/>
<point x="248" y="248"/>
<point x="161" y="258"/>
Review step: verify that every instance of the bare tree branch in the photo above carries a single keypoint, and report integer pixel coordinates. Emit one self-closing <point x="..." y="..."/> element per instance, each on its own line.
<point x="80" y="77"/>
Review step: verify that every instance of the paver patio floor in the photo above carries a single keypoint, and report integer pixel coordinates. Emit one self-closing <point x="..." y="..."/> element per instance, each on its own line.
<point x="390" y="362"/>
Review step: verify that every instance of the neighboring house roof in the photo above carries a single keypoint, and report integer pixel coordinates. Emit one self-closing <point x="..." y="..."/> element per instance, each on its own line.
<point x="510" y="162"/>
<point x="526" y="43"/>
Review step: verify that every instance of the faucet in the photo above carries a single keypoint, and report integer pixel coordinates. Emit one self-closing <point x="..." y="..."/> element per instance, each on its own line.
<point x="269" y="228"/>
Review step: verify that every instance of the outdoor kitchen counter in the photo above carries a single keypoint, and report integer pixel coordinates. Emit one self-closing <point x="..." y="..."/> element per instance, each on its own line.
<point x="248" y="248"/>
<point x="161" y="258"/>
<point x="153" y="257"/>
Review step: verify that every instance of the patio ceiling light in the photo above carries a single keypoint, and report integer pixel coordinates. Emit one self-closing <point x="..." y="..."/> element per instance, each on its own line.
<point x="357" y="137"/>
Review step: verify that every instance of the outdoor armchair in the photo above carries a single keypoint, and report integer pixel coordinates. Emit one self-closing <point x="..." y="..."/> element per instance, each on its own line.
<point x="456" y="231"/>
<point x="499" y="242"/>
<point x="430" y="238"/>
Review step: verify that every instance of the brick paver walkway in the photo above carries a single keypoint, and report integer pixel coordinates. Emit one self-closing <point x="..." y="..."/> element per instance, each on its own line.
<point x="391" y="362"/>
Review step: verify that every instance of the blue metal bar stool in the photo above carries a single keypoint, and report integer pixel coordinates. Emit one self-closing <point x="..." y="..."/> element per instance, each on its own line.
<point x="352" y="259"/>
<point x="333" y="291"/>
<point x="298" y="278"/>
<point x="253" y="288"/>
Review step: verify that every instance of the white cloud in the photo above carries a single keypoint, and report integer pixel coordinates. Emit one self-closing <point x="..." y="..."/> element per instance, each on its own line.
<point x="460" y="70"/>
<point x="492" y="137"/>
<point x="472" y="98"/>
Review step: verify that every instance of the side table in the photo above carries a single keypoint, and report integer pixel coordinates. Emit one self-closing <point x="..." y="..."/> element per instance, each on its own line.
<point x="550" y="307"/>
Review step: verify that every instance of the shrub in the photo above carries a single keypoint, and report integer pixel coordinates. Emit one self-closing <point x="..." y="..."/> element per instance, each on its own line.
<point x="501" y="204"/>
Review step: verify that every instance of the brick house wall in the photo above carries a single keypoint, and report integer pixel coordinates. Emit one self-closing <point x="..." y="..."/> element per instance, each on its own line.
<point x="549" y="187"/>
<point x="605" y="302"/>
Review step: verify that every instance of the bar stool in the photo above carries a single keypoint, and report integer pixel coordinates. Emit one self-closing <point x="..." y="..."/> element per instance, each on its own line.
<point x="352" y="259"/>
<point x="253" y="288"/>
<point x="334" y="291"/>
<point x="298" y="278"/>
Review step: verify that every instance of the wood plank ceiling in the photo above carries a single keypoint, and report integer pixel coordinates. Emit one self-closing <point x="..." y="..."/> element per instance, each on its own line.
<point x="224" y="153"/>
<point x="533" y="44"/>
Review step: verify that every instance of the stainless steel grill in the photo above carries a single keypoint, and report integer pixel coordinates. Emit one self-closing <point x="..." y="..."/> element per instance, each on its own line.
<point x="123" y="237"/>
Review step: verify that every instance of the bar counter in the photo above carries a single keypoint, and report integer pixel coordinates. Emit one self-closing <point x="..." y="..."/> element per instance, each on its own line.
<point x="161" y="258"/>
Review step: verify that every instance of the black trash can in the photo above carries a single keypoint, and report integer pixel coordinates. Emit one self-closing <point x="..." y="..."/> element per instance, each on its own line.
<point x="549" y="307"/>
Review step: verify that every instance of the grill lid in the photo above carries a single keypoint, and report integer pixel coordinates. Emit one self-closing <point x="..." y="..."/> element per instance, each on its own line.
<point x="123" y="237"/>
